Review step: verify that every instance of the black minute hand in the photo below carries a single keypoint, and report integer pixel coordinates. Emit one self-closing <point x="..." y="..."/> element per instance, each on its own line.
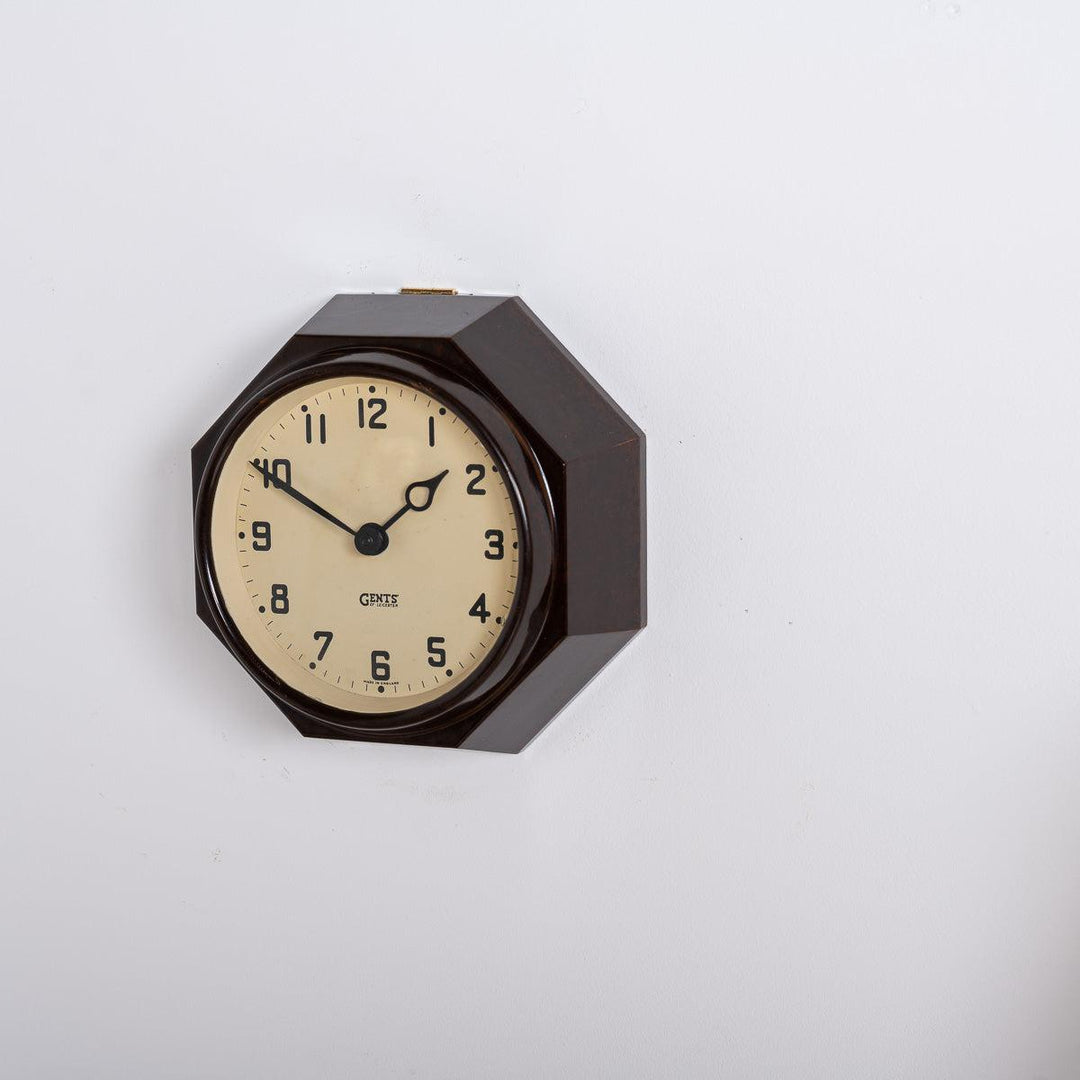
<point x="282" y="485"/>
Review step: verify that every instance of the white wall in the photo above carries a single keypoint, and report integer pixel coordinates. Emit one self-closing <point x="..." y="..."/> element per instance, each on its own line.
<point x="823" y="818"/>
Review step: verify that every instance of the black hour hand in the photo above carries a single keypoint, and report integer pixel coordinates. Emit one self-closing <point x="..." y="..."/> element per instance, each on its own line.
<point x="418" y="496"/>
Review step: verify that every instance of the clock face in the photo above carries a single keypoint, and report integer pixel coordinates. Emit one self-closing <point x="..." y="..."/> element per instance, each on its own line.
<point x="365" y="543"/>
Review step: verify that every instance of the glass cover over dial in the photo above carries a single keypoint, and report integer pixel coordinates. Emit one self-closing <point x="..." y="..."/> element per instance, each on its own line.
<point x="365" y="543"/>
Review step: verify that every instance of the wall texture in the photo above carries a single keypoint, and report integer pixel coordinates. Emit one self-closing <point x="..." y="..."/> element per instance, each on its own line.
<point x="822" y="819"/>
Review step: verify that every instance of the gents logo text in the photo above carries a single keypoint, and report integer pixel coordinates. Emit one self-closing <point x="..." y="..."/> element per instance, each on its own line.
<point x="379" y="599"/>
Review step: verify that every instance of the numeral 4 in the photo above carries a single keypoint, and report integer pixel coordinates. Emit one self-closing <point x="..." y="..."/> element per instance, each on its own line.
<point x="479" y="609"/>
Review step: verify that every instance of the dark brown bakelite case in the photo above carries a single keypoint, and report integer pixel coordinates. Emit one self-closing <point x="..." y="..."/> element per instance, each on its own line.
<point x="578" y="465"/>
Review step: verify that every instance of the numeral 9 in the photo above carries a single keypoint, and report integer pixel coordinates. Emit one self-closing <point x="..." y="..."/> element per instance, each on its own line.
<point x="260" y="536"/>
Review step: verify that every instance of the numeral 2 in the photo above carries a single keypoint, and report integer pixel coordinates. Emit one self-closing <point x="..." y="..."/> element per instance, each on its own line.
<point x="473" y="487"/>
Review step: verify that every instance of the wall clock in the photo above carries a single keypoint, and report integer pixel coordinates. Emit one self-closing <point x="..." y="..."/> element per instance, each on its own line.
<point x="422" y="522"/>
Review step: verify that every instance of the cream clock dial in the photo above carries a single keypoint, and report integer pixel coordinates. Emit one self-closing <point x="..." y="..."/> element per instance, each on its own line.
<point x="365" y="543"/>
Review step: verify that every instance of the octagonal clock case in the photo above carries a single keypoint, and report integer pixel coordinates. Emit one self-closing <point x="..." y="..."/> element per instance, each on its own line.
<point x="422" y="522"/>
